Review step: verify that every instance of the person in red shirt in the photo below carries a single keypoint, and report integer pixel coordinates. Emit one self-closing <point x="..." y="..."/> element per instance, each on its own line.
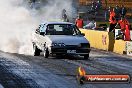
<point x="124" y="25"/>
<point x="127" y="33"/>
<point x="79" y="22"/>
<point x="123" y="22"/>
<point x="112" y="20"/>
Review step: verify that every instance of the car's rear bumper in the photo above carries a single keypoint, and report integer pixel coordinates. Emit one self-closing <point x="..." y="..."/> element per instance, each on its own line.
<point x="64" y="50"/>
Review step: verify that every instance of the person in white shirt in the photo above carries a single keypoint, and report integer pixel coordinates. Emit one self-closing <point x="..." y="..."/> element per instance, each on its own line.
<point x="90" y="25"/>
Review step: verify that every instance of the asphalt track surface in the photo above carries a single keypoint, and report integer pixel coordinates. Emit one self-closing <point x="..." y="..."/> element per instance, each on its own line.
<point x="23" y="71"/>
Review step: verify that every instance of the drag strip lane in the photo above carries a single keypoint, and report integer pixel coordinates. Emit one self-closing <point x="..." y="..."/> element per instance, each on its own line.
<point x="67" y="67"/>
<point x="33" y="75"/>
<point x="61" y="71"/>
<point x="12" y="80"/>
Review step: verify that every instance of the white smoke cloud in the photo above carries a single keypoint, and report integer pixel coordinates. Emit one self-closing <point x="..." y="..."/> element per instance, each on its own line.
<point x="54" y="9"/>
<point x="15" y="26"/>
<point x="17" y="22"/>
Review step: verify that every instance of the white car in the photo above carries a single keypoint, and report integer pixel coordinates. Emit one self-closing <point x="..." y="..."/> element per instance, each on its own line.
<point x="60" y="38"/>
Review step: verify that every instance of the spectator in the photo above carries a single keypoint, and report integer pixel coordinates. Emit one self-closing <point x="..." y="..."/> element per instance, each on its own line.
<point x="127" y="33"/>
<point x="123" y="11"/>
<point x="90" y="25"/>
<point x="117" y="12"/>
<point x="123" y="24"/>
<point x="79" y="22"/>
<point x="112" y="21"/>
<point x="64" y="16"/>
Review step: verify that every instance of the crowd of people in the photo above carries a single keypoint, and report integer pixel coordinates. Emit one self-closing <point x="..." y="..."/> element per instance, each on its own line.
<point x="80" y="23"/>
<point x="116" y="18"/>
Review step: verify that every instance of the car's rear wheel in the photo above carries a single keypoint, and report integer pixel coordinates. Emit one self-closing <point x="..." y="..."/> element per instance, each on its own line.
<point x="36" y="51"/>
<point x="86" y="57"/>
<point x="46" y="53"/>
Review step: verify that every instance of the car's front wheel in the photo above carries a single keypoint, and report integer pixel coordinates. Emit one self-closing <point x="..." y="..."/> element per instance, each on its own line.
<point x="36" y="51"/>
<point x="86" y="57"/>
<point x="46" y="53"/>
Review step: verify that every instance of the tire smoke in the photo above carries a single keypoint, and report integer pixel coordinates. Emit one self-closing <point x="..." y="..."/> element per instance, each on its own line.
<point x="18" y="22"/>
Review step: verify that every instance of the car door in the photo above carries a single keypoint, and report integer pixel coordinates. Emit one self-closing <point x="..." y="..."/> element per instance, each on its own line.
<point x="40" y="36"/>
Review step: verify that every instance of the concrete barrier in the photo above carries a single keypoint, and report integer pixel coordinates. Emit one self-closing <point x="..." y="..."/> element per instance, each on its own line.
<point x="105" y="41"/>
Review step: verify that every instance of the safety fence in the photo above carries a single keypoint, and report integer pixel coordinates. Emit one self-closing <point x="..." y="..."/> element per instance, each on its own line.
<point x="105" y="41"/>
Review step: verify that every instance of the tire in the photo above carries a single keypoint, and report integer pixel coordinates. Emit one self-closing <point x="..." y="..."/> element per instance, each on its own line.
<point x="36" y="50"/>
<point x="86" y="57"/>
<point x="46" y="53"/>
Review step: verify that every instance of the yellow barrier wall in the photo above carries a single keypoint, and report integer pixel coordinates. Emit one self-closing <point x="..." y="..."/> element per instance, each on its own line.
<point x="99" y="39"/>
<point x="104" y="40"/>
<point x="120" y="46"/>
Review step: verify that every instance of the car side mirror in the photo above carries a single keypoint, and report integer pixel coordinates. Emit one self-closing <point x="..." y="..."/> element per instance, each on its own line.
<point x="82" y="34"/>
<point x="42" y="33"/>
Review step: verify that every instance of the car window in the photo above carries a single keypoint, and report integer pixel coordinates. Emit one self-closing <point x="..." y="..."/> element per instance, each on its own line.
<point x="58" y="28"/>
<point x="62" y="29"/>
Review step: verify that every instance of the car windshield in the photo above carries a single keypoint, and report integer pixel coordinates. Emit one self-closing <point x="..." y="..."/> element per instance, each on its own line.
<point x="62" y="29"/>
